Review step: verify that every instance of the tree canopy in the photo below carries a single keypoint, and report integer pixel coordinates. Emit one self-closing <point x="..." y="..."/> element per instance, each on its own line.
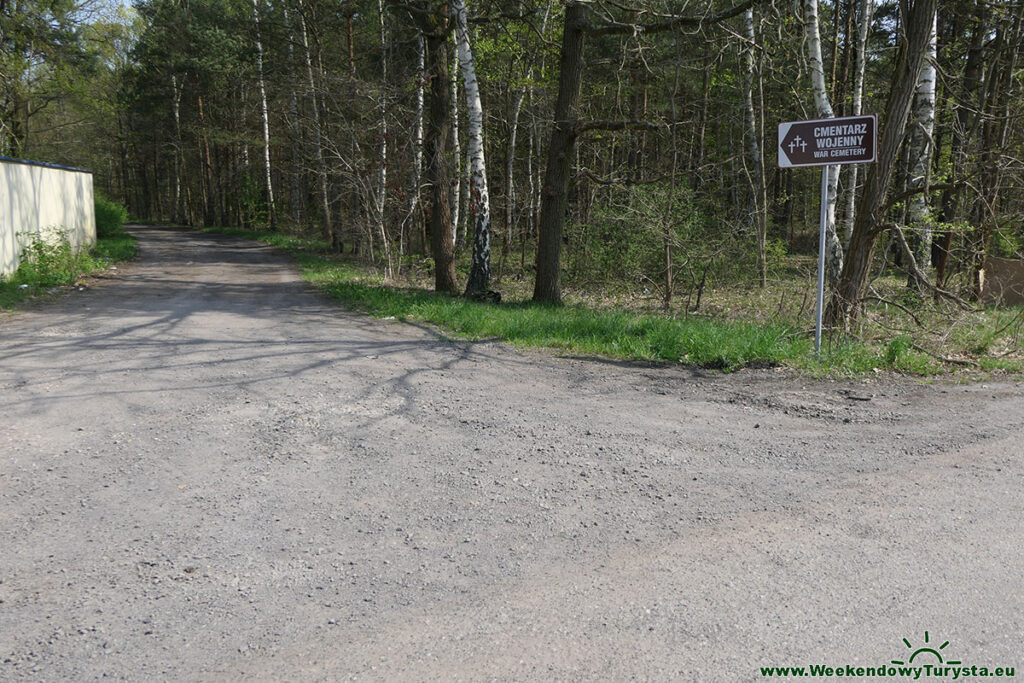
<point x="629" y="144"/>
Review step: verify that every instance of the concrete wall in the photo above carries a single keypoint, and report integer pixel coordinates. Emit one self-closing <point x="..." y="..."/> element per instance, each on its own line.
<point x="44" y="200"/>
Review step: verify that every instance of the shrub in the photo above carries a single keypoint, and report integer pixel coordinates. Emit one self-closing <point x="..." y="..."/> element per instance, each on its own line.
<point x="48" y="263"/>
<point x="624" y="242"/>
<point x="110" y="216"/>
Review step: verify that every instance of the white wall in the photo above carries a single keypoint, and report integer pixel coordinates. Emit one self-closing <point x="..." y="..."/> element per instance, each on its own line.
<point x="40" y="200"/>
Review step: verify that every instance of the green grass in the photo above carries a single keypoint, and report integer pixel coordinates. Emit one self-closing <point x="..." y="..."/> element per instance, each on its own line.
<point x="725" y="341"/>
<point x="572" y="328"/>
<point x="118" y="247"/>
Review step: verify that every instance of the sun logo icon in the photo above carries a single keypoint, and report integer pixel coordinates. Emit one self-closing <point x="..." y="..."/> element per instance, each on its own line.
<point x="925" y="650"/>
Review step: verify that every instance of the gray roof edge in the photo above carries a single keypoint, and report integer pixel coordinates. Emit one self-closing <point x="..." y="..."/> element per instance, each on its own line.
<point x="43" y="164"/>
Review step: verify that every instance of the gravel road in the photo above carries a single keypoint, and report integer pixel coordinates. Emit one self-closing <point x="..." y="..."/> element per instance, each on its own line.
<point x="210" y="472"/>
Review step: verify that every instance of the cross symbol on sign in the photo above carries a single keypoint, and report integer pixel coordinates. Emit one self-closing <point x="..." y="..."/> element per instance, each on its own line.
<point x="798" y="142"/>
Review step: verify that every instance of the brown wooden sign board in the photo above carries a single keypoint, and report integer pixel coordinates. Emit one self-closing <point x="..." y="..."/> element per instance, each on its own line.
<point x="827" y="142"/>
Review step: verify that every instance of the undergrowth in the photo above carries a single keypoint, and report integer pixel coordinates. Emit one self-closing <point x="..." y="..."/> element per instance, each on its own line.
<point x="47" y="265"/>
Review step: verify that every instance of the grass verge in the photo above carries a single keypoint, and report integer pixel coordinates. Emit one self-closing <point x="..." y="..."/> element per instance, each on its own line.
<point x="46" y="268"/>
<point x="725" y="343"/>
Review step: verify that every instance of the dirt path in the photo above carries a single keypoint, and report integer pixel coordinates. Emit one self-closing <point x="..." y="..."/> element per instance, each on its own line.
<point x="208" y="472"/>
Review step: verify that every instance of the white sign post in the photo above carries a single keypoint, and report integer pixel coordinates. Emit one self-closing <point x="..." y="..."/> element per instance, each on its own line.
<point x="826" y="142"/>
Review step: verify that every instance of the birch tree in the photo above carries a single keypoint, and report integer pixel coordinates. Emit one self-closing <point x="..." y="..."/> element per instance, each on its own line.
<point x="380" y="197"/>
<point x="318" y="146"/>
<point x="480" y="270"/>
<point x="176" y="88"/>
<point x="261" y="85"/>
<point x="812" y="40"/>
<point x="865" y="10"/>
<point x="921" y="152"/>
<point x="416" y="168"/>
<point x="296" y="199"/>
<point x="456" y="186"/>
<point x="754" y="137"/>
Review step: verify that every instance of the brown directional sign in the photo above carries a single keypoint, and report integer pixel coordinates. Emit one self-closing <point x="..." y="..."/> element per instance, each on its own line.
<point x="825" y="142"/>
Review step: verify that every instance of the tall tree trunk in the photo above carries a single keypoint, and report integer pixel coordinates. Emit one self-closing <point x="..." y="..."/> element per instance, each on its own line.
<point x="296" y="198"/>
<point x="844" y="304"/>
<point x="510" y="160"/>
<point x="480" y="269"/>
<point x="382" y="156"/>
<point x="455" y="201"/>
<point x="416" y="171"/>
<point x="865" y="11"/>
<point x="209" y="189"/>
<point x="176" y="88"/>
<point x="812" y="38"/>
<point x="318" y="147"/>
<point x="462" y="182"/>
<point x="531" y="187"/>
<point x="755" y="172"/>
<point x="697" y="156"/>
<point x="966" y="113"/>
<point x="922" y="149"/>
<point x="554" y="195"/>
<point x="438" y="144"/>
<point x="668" y="219"/>
<point x="522" y="93"/>
<point x="355" y="203"/>
<point x="1005" y="49"/>
<point x="841" y="84"/>
<point x="271" y="217"/>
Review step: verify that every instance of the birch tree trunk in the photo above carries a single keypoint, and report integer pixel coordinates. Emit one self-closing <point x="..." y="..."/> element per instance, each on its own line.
<point x="176" y="88"/>
<point x="462" y="183"/>
<point x="510" y="161"/>
<point x="318" y="146"/>
<point x="921" y="151"/>
<point x="756" y="171"/>
<point x="697" y="154"/>
<point x="416" y="172"/>
<point x="531" y="187"/>
<point x="480" y="203"/>
<point x="382" y="157"/>
<point x="208" y="188"/>
<point x="812" y="38"/>
<point x="865" y="11"/>
<point x="455" y="200"/>
<point x="295" y="199"/>
<point x="266" y="119"/>
<point x="526" y="90"/>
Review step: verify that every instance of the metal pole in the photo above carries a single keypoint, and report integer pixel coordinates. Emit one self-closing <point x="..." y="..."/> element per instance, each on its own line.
<point x="821" y="262"/>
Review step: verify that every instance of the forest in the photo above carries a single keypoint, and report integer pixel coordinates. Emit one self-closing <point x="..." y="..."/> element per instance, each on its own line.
<point x="555" y="151"/>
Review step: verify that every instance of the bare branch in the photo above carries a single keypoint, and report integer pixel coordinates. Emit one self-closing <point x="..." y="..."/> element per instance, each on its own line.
<point x="922" y="278"/>
<point x="875" y="296"/>
<point x="589" y="175"/>
<point x="945" y="359"/>
<point x="614" y="125"/>
<point x="918" y="190"/>
<point x="616" y="28"/>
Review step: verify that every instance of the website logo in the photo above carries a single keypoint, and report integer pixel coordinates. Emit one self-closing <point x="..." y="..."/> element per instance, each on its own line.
<point x="925" y="650"/>
<point x="928" y="660"/>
